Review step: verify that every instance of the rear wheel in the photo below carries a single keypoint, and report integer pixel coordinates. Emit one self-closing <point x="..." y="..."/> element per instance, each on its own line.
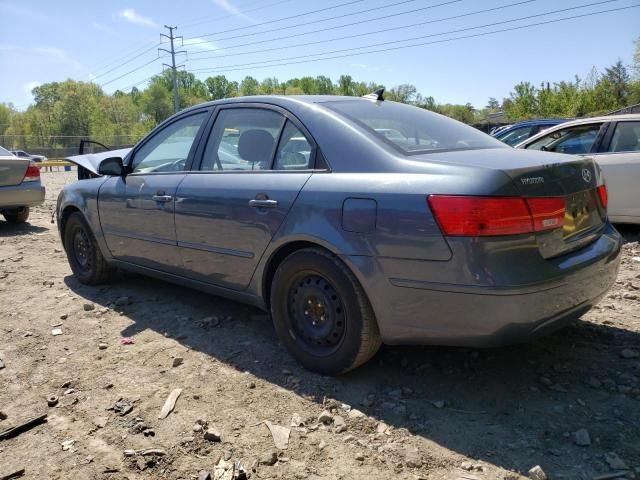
<point x="321" y="313"/>
<point x="19" y="215"/>
<point x="83" y="253"/>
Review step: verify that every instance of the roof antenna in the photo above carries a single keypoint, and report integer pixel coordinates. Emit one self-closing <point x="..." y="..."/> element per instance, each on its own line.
<point x="377" y="95"/>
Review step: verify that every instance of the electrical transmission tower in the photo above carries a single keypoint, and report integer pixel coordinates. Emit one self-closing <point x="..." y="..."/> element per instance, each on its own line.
<point x="173" y="67"/>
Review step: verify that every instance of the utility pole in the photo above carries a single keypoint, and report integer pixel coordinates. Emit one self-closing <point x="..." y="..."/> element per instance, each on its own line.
<point x="173" y="67"/>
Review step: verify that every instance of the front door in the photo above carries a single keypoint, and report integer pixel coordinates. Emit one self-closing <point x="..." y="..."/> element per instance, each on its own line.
<point x="255" y="163"/>
<point x="137" y="211"/>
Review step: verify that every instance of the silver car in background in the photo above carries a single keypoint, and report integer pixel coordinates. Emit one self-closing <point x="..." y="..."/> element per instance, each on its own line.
<point x="353" y="221"/>
<point x="614" y="142"/>
<point x="20" y="187"/>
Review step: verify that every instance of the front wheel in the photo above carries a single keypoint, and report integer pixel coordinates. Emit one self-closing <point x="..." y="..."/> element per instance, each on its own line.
<point x="86" y="260"/>
<point x="19" y="215"/>
<point x="322" y="314"/>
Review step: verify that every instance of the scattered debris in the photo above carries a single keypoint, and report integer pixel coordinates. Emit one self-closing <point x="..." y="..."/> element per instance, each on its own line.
<point x="213" y="434"/>
<point x="56" y="331"/>
<point x="100" y="422"/>
<point x="325" y="417"/>
<point x="177" y="362"/>
<point x="15" y="474"/>
<point x="614" y="461"/>
<point x="269" y="458"/>
<point x="23" y="427"/>
<point x="52" y="400"/>
<point x="224" y="470"/>
<point x="629" y="353"/>
<point x="439" y="404"/>
<point x="67" y="445"/>
<point x="170" y="403"/>
<point x="536" y="473"/>
<point x="582" y="438"/>
<point x="103" y="346"/>
<point x="355" y="413"/>
<point x="88" y="307"/>
<point x="3" y="416"/>
<point x="1" y="364"/>
<point x="280" y="435"/>
<point x="155" y="452"/>
<point x="127" y="341"/>
<point x="296" y="421"/>
<point x="122" y="406"/>
<point x="204" y="475"/>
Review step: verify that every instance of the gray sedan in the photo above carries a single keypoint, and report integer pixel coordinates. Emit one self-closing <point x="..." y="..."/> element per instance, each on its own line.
<point x="20" y="187"/>
<point x="350" y="236"/>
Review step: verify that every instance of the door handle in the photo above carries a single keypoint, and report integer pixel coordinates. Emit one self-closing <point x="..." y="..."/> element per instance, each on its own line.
<point x="162" y="198"/>
<point x="263" y="203"/>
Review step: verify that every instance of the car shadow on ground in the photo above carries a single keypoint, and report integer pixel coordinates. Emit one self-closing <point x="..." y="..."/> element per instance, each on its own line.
<point x="507" y="406"/>
<point x="13" y="230"/>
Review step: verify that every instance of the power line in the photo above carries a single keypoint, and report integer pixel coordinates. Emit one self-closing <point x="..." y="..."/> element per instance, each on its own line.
<point x="520" y="27"/>
<point x="344" y="25"/>
<point x="132" y="71"/>
<point x="205" y="35"/>
<point x="126" y="62"/>
<point x="115" y="61"/>
<point x="325" y="40"/>
<point x="241" y="12"/>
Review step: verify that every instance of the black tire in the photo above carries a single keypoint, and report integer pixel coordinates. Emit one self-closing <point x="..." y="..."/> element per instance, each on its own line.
<point x="337" y="336"/>
<point x="84" y="256"/>
<point x="19" y="215"/>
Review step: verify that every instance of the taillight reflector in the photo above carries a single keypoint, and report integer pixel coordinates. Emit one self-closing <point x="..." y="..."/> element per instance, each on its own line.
<point x="32" y="174"/>
<point x="604" y="196"/>
<point x="494" y="216"/>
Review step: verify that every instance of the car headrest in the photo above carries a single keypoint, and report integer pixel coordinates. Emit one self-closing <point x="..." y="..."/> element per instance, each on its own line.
<point x="256" y="146"/>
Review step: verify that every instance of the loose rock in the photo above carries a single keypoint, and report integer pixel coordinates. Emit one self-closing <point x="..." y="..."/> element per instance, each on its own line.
<point x="269" y="458"/>
<point x="177" y="362"/>
<point x="582" y="438"/>
<point x="204" y="475"/>
<point x="88" y="307"/>
<point x="536" y="473"/>
<point x="325" y="417"/>
<point x="629" y="353"/>
<point x="213" y="435"/>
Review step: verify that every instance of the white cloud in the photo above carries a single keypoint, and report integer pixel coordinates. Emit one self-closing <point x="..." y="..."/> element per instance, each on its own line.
<point x="130" y="15"/>
<point x="229" y="7"/>
<point x="30" y="86"/>
<point x="202" y="44"/>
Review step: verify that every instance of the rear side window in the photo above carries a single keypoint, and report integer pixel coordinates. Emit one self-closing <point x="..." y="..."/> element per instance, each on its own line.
<point x="243" y="139"/>
<point x="626" y="137"/>
<point x="515" y="136"/>
<point x="571" y="140"/>
<point x="411" y="129"/>
<point x="294" y="151"/>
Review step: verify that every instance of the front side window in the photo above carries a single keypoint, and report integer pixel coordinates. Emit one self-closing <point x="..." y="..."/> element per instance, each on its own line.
<point x="411" y="129"/>
<point x="576" y="140"/>
<point x="168" y="150"/>
<point x="243" y="139"/>
<point x="515" y="136"/>
<point x="626" y="138"/>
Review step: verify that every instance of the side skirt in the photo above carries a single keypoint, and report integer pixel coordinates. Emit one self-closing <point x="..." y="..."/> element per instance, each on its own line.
<point x="242" y="297"/>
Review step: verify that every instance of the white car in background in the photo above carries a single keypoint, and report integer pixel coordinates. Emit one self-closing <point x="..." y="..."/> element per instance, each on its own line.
<point x="614" y="142"/>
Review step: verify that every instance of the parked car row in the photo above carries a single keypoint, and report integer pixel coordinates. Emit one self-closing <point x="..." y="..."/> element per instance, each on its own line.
<point x="29" y="156"/>
<point x="518" y="132"/>
<point x="20" y="187"/>
<point x="353" y="221"/>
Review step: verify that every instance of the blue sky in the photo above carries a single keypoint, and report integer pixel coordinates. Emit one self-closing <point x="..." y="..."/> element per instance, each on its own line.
<point x="45" y="41"/>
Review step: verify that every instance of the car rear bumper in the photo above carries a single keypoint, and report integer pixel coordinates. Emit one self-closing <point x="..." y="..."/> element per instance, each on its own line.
<point x="28" y="194"/>
<point x="422" y="310"/>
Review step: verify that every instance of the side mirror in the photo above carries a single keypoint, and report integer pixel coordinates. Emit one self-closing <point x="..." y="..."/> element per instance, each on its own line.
<point x="112" y="166"/>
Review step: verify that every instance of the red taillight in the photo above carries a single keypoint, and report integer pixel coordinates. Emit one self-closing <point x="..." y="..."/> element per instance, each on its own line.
<point x="32" y="174"/>
<point x="604" y="197"/>
<point x="547" y="212"/>
<point x="493" y="216"/>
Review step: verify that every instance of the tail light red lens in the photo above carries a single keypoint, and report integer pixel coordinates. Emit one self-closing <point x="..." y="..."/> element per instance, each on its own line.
<point x="604" y="196"/>
<point x="32" y="174"/>
<point x="494" y="216"/>
<point x="547" y="212"/>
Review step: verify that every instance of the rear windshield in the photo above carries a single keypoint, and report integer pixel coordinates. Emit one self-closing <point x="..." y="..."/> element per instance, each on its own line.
<point x="412" y="129"/>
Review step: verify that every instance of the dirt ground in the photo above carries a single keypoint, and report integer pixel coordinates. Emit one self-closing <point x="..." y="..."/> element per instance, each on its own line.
<point x="569" y="403"/>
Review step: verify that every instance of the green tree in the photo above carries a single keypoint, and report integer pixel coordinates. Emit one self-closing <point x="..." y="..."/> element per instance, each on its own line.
<point x="156" y="101"/>
<point x="618" y="78"/>
<point x="249" y="86"/>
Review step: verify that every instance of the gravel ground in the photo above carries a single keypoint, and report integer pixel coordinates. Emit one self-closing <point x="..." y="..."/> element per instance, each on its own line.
<point x="569" y="403"/>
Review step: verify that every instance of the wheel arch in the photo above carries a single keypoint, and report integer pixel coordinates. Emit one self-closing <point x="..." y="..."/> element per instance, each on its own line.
<point x="66" y="212"/>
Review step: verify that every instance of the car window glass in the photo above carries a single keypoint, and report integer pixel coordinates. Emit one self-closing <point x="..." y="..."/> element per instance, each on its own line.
<point x="294" y="151"/>
<point x="572" y="140"/>
<point x="515" y="136"/>
<point x="626" y="137"/>
<point x="243" y="139"/>
<point x="168" y="150"/>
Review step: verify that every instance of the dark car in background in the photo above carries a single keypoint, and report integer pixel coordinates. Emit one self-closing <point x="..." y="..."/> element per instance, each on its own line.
<point x="519" y="132"/>
<point x="20" y="187"/>
<point x="353" y="221"/>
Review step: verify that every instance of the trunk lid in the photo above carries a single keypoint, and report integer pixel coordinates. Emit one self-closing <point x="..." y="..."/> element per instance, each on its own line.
<point x="543" y="174"/>
<point x="12" y="170"/>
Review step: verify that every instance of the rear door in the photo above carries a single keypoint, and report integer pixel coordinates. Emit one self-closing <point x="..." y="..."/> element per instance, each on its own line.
<point x="619" y="158"/>
<point x="137" y="211"/>
<point x="256" y="160"/>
